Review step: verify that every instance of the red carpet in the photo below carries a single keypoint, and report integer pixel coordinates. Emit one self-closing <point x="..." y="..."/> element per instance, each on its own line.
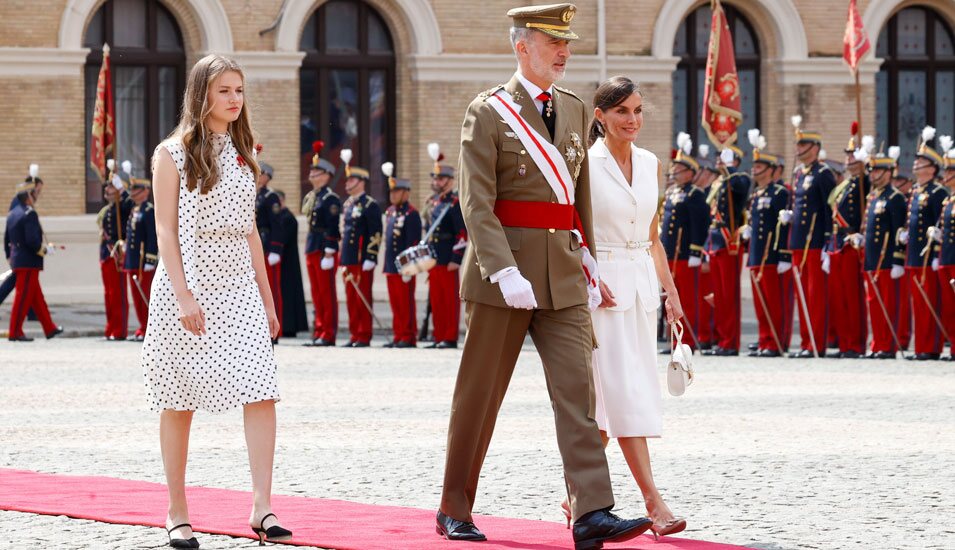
<point x="328" y="523"/>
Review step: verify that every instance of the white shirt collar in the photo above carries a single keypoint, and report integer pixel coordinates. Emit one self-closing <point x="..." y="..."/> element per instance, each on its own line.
<point x="532" y="88"/>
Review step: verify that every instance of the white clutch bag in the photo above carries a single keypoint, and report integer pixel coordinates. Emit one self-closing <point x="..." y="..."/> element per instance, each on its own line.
<point x="680" y="369"/>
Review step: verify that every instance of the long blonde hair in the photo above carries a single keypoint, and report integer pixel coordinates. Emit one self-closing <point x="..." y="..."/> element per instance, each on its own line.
<point x="201" y="167"/>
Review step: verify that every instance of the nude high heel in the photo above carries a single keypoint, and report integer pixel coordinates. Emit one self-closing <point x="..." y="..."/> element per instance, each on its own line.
<point x="672" y="527"/>
<point x="565" y="508"/>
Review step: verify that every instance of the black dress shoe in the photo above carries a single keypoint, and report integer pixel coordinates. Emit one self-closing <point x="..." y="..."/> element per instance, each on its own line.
<point x="390" y="345"/>
<point x="706" y="345"/>
<point x="754" y="353"/>
<point x="924" y="357"/>
<point x="348" y="345"/>
<point x="114" y="339"/>
<point x="453" y="529"/>
<point x="850" y="355"/>
<point x="320" y="343"/>
<point x="23" y="338"/>
<point x="834" y="355"/>
<point x="595" y="528"/>
<point x="753" y="346"/>
<point x="803" y="354"/>
<point x="360" y="344"/>
<point x="405" y="345"/>
<point x="447" y="344"/>
<point x="57" y="330"/>
<point x="769" y="353"/>
<point x="711" y="351"/>
<point x="432" y="345"/>
<point x="724" y="352"/>
<point x="883" y="355"/>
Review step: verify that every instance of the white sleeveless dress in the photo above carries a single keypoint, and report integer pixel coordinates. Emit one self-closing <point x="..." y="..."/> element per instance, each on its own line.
<point x="629" y="402"/>
<point x="233" y="363"/>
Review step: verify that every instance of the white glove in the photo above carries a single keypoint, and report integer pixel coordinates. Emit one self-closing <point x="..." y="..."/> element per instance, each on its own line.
<point x="783" y="267"/>
<point x="856" y="240"/>
<point x="746" y="232"/>
<point x="904" y="236"/>
<point x="149" y="267"/>
<point x="897" y="272"/>
<point x="593" y="298"/>
<point x="327" y="263"/>
<point x="726" y="155"/>
<point x="934" y="233"/>
<point x="274" y="258"/>
<point x="825" y="263"/>
<point x="367" y="265"/>
<point x="117" y="182"/>
<point x="406" y="278"/>
<point x="934" y="264"/>
<point x="50" y="249"/>
<point x="518" y="292"/>
<point x="785" y="216"/>
<point x="694" y="261"/>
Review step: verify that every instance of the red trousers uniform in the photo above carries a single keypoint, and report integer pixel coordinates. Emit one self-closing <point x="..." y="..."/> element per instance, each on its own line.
<point x="141" y="306"/>
<point x="324" y="296"/>
<point x="814" y="285"/>
<point x="29" y="296"/>
<point x="401" y="297"/>
<point x="945" y="274"/>
<point x="774" y="291"/>
<point x="928" y="339"/>
<point x="445" y="303"/>
<point x="705" y="331"/>
<point x="725" y="270"/>
<point x="275" y="285"/>
<point x="116" y="299"/>
<point x="359" y="318"/>
<point x="888" y="290"/>
<point x="847" y="311"/>
<point x="904" y="325"/>
<point x="687" y="281"/>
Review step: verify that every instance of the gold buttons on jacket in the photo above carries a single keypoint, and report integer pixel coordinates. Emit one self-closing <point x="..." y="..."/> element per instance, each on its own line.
<point x="552" y="230"/>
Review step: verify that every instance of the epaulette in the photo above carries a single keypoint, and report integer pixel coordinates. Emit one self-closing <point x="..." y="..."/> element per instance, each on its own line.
<point x="693" y="189"/>
<point x="940" y="188"/>
<point x="778" y="188"/>
<point x="28" y="209"/>
<point x="568" y="92"/>
<point x="896" y="192"/>
<point x="488" y="93"/>
<point x="147" y="206"/>
<point x="368" y="200"/>
<point x="333" y="194"/>
<point x="823" y="167"/>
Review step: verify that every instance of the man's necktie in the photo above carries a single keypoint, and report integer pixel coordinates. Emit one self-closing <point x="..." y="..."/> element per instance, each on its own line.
<point x="550" y="117"/>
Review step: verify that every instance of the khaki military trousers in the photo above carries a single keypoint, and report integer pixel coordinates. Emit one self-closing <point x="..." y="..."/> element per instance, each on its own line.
<point x="564" y="340"/>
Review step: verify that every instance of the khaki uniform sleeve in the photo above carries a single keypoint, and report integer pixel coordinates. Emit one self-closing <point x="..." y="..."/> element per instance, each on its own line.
<point x="582" y="199"/>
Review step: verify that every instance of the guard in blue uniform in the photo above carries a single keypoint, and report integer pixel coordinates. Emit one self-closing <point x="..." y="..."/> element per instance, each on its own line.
<point x="9" y="283"/>
<point x="112" y="220"/>
<point x="268" y="207"/>
<point x="361" y="239"/>
<point x="323" y="208"/>
<point x="25" y="246"/>
<point x="141" y="251"/>
<point x="945" y="236"/>
<point x="402" y="231"/>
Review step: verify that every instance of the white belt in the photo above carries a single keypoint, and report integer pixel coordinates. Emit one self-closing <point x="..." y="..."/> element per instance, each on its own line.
<point x="630" y="245"/>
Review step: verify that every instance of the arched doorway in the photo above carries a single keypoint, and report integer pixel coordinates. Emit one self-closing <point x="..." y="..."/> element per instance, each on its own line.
<point x="347" y="88"/>
<point x="915" y="85"/>
<point x="148" y="63"/>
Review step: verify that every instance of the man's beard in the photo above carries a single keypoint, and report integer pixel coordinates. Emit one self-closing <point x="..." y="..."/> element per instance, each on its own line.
<point x="546" y="70"/>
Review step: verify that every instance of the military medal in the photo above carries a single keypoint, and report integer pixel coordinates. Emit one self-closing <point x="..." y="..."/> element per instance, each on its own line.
<point x="549" y="108"/>
<point x="522" y="170"/>
<point x="880" y="207"/>
<point x="807" y="183"/>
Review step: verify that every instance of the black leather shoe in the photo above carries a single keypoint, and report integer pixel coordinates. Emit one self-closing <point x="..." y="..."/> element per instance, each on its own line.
<point x="924" y="357"/>
<point x="595" y="528"/>
<point x="447" y="344"/>
<point x="754" y="353"/>
<point x="804" y="354"/>
<point x="834" y="355"/>
<point x="390" y="345"/>
<point x="769" y="353"/>
<point x="322" y="343"/>
<point x="883" y="355"/>
<point x="850" y="355"/>
<point x="706" y="345"/>
<point x="724" y="352"/>
<point x="453" y="529"/>
<point x="23" y="338"/>
<point x="715" y="350"/>
<point x="753" y="346"/>
<point x="113" y="339"/>
<point x="348" y="345"/>
<point x="57" y="330"/>
<point x="360" y="344"/>
<point x="432" y="345"/>
<point x="405" y="345"/>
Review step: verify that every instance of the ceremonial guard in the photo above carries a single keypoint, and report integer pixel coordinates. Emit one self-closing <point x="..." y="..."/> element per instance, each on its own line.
<point x="449" y="238"/>
<point x="842" y="262"/>
<point x="268" y="208"/>
<point x="706" y="331"/>
<point x="141" y="250"/>
<point x="683" y="233"/>
<point x="945" y="236"/>
<point x="767" y="262"/>
<point x="323" y="208"/>
<point x="402" y="231"/>
<point x="361" y="238"/>
<point x="902" y="181"/>
<point x="112" y="220"/>
<point x="24" y="246"/>
<point x="809" y="220"/>
<point x="884" y="258"/>
<point x="8" y="280"/>
<point x="921" y="258"/>
<point x="727" y="202"/>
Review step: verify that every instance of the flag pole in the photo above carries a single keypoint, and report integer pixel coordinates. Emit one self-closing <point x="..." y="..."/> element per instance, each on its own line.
<point x="859" y="134"/>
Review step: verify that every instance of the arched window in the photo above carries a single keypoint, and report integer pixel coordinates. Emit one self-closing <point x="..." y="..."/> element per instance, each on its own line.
<point x="347" y="85"/>
<point x="690" y="45"/>
<point x="148" y="64"/>
<point x="916" y="84"/>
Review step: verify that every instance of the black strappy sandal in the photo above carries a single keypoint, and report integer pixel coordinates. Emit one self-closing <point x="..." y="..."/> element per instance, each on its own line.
<point x="272" y="534"/>
<point x="182" y="543"/>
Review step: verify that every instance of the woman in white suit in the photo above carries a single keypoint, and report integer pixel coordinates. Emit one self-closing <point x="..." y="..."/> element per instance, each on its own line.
<point x="625" y="187"/>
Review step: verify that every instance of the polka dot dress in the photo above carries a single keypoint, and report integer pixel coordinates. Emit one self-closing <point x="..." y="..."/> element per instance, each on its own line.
<point x="232" y="364"/>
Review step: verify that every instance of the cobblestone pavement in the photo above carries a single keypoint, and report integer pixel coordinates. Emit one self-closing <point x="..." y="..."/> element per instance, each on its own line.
<point x="772" y="454"/>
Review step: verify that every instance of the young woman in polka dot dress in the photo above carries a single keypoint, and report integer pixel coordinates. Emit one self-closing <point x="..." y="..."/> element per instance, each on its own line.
<point x="211" y="317"/>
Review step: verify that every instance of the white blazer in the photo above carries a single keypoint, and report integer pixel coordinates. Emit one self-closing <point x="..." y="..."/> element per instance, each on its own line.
<point x="622" y="215"/>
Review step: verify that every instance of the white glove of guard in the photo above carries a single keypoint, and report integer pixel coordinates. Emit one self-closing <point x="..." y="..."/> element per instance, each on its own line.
<point x="746" y="232"/>
<point x="934" y="264"/>
<point x="934" y="233"/>
<point x="897" y="272"/>
<point x="904" y="236"/>
<point x="367" y="265"/>
<point x="856" y="240"/>
<point x="327" y="263"/>
<point x="726" y="155"/>
<point x="518" y="292"/>
<point x="149" y="267"/>
<point x="406" y="278"/>
<point x="117" y="182"/>
<point x="274" y="258"/>
<point x="783" y="267"/>
<point x="593" y="298"/>
<point x="785" y="216"/>
<point x="694" y="261"/>
<point x="50" y="249"/>
<point x="825" y="263"/>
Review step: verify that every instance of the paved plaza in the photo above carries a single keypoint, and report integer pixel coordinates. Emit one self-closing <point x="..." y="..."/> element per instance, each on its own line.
<point x="772" y="454"/>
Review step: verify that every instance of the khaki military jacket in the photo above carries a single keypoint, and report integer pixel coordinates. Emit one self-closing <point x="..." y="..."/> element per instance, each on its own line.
<point x="494" y="165"/>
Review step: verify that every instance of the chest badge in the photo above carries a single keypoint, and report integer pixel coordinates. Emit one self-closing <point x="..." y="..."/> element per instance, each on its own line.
<point x="522" y="171"/>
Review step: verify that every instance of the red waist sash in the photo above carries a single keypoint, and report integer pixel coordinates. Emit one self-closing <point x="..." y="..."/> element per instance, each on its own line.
<point x="535" y="215"/>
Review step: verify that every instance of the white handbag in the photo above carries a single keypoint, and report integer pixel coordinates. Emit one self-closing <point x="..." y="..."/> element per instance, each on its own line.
<point x="680" y="369"/>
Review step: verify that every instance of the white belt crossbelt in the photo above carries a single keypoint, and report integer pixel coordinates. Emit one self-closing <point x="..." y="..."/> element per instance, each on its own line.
<point x="629" y="245"/>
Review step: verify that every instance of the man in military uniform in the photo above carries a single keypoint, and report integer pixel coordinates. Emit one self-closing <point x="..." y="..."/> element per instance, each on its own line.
<point x="884" y="258"/>
<point x="10" y="282"/>
<point x="843" y="263"/>
<point x="945" y="236"/>
<point x="268" y="208"/>
<point x="25" y="246"/>
<point x="523" y="273"/>
<point x="727" y="202"/>
<point x="141" y="251"/>
<point x="706" y="331"/>
<point x="809" y="219"/>
<point x="925" y="209"/>
<point x="361" y="238"/>
<point x="402" y="231"/>
<point x="902" y="181"/>
<point x="766" y="260"/>
<point x="112" y="220"/>
<point x="323" y="208"/>
<point x="448" y="241"/>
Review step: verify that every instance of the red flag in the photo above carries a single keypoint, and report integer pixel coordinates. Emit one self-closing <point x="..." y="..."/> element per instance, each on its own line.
<point x="855" y="43"/>
<point x="104" y="124"/>
<point x="722" y="112"/>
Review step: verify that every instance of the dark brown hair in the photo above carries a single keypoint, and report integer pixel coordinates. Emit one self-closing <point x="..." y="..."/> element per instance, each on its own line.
<point x="614" y="91"/>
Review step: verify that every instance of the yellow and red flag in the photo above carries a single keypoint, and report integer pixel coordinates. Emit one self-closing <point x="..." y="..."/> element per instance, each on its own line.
<point x="104" y="123"/>
<point x="722" y="112"/>
<point x="855" y="43"/>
